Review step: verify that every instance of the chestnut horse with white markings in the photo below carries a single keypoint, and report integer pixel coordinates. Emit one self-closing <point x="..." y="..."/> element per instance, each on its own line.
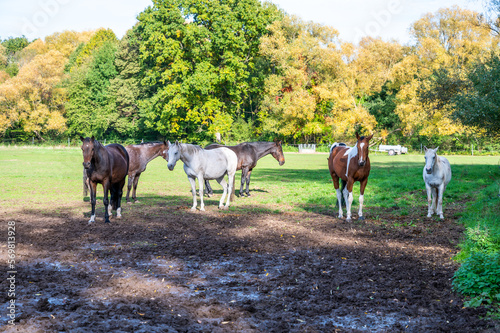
<point x="140" y="155"/>
<point x="350" y="164"/>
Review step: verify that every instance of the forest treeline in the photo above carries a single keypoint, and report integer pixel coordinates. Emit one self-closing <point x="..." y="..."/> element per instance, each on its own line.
<point x="245" y="70"/>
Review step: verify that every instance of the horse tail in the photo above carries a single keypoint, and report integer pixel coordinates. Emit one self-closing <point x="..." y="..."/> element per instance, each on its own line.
<point x="343" y="184"/>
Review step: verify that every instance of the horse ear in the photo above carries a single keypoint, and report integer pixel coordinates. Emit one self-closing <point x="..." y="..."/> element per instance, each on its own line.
<point x="425" y="148"/>
<point x="369" y="138"/>
<point x="82" y="138"/>
<point x="357" y="135"/>
<point x="92" y="138"/>
<point x="176" y="142"/>
<point x="435" y="150"/>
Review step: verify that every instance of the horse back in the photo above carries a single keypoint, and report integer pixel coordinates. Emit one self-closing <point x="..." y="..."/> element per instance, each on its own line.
<point x="337" y="161"/>
<point x="242" y="151"/>
<point x="446" y="169"/>
<point x="134" y="158"/>
<point x="119" y="161"/>
<point x="337" y="164"/>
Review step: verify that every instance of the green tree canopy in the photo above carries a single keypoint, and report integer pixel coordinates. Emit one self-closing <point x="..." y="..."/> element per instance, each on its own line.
<point x="198" y="56"/>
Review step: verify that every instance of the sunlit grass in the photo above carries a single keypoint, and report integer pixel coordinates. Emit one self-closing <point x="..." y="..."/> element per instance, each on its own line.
<point x="46" y="178"/>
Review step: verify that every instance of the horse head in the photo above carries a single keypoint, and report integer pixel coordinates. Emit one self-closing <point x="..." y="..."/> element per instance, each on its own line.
<point x="363" y="144"/>
<point x="430" y="159"/>
<point x="164" y="150"/>
<point x="173" y="154"/>
<point x="277" y="153"/>
<point x="89" y="147"/>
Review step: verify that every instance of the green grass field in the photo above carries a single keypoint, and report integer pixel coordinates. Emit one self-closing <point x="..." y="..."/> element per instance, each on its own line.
<point x="48" y="178"/>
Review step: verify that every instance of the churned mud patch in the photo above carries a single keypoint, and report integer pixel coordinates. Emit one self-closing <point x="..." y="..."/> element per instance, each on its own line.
<point x="167" y="269"/>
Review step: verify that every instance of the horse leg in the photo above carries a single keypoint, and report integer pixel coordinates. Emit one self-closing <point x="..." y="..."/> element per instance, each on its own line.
<point x="129" y="186"/>
<point x="93" y="188"/>
<point x="208" y="188"/>
<point x="429" y="200"/>
<point x="434" y="199"/>
<point x="85" y="183"/>
<point x="105" y="200"/>
<point x="349" y="200"/>
<point x="362" y="198"/>
<point x="244" y="172"/>
<point x="193" y="191"/>
<point x="223" y="183"/>
<point x="248" y="182"/>
<point x="201" y="181"/>
<point x="119" y="195"/>
<point x="440" y="201"/>
<point x="335" y="179"/>
<point x="136" y="181"/>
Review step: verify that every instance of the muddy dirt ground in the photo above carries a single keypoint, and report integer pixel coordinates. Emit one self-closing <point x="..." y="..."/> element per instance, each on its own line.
<point x="167" y="269"/>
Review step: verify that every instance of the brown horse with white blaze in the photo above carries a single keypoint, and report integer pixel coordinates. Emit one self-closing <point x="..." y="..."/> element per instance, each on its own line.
<point x="350" y="164"/>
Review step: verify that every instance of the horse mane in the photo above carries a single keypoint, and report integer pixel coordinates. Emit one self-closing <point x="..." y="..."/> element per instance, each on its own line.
<point x="191" y="147"/>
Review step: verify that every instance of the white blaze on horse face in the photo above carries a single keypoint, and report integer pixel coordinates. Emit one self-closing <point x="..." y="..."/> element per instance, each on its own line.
<point x="361" y="145"/>
<point x="351" y="152"/>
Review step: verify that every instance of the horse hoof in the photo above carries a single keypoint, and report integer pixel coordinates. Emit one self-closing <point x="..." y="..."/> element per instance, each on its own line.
<point x="361" y="218"/>
<point x="202" y="209"/>
<point x="193" y="209"/>
<point x="348" y="219"/>
<point x="107" y="221"/>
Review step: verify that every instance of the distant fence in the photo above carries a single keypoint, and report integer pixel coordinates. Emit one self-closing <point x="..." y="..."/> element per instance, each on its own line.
<point x="297" y="148"/>
<point x="307" y="148"/>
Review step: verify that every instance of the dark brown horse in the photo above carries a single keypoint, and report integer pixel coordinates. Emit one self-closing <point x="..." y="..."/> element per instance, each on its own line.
<point x="140" y="155"/>
<point x="248" y="154"/>
<point x="106" y="165"/>
<point x="350" y="164"/>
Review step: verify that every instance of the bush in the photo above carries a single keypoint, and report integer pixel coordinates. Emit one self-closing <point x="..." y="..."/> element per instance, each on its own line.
<point x="479" y="278"/>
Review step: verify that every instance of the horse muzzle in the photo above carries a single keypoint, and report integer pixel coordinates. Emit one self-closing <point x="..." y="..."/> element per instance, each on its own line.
<point x="171" y="167"/>
<point x="281" y="162"/>
<point x="429" y="171"/>
<point x="86" y="165"/>
<point x="362" y="163"/>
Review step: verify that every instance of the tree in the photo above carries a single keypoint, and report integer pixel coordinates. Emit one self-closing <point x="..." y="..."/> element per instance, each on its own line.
<point x="91" y="108"/>
<point x="448" y="41"/>
<point x="198" y="56"/>
<point x="31" y="100"/>
<point x="479" y="103"/>
<point x="313" y="93"/>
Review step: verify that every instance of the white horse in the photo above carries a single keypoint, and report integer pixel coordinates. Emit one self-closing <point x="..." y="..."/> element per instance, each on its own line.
<point x="437" y="174"/>
<point x="205" y="164"/>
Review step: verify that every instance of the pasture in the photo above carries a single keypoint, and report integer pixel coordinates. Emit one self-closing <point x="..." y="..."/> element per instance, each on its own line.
<point x="276" y="261"/>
